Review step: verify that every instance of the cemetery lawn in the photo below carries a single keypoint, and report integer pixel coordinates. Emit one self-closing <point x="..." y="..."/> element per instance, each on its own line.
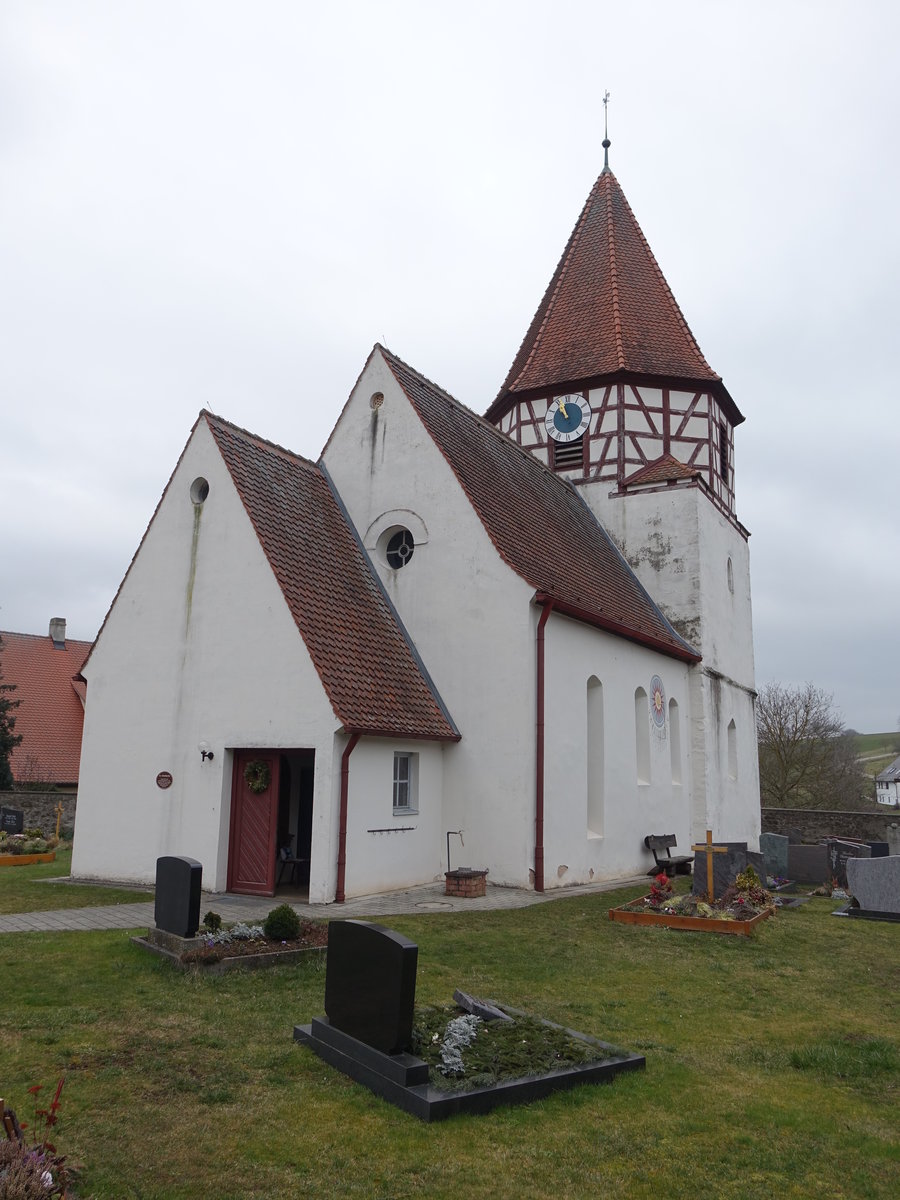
<point x="24" y="889"/>
<point x="773" y="1065"/>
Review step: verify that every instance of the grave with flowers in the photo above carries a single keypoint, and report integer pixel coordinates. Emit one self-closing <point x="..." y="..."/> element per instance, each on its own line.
<point x="730" y="899"/>
<point x="435" y="1061"/>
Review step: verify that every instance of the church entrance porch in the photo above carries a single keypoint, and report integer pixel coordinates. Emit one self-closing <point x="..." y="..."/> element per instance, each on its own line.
<point x="270" y="833"/>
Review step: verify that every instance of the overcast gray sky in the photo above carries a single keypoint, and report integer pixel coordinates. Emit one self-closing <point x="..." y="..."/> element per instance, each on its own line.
<point x="220" y="204"/>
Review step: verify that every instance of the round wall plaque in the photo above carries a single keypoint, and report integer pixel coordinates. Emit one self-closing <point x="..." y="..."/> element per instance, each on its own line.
<point x="164" y="779"/>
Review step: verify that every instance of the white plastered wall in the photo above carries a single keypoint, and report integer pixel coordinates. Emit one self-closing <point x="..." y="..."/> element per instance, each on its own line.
<point x="387" y="850"/>
<point x="468" y="613"/>
<point x="573" y="853"/>
<point x="198" y="647"/>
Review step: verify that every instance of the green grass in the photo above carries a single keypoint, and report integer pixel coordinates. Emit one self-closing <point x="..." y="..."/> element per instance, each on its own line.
<point x="886" y="744"/>
<point x="25" y="889"/>
<point x="772" y="1065"/>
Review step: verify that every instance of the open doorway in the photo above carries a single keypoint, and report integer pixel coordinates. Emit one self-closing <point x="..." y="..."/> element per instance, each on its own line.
<point x="295" y="813"/>
<point x="270" y="840"/>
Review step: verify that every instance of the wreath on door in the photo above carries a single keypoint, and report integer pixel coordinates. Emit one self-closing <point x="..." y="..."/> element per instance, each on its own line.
<point x="257" y="776"/>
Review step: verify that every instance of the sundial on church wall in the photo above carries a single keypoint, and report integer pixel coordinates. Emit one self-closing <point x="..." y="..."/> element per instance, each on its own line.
<point x="658" y="705"/>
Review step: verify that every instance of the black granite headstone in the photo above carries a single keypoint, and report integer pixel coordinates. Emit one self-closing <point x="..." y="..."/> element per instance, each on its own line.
<point x="177" y="908"/>
<point x="880" y="849"/>
<point x="370" y="984"/>
<point x="726" y="867"/>
<point x="12" y="820"/>
<point x="808" y="864"/>
<point x="838" y="853"/>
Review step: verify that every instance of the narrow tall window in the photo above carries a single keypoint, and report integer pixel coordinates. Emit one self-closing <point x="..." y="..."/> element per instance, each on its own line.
<point x="675" y="741"/>
<point x="732" y="750"/>
<point x="406" y="782"/>
<point x="642" y="735"/>
<point x="723" y="450"/>
<point x="595" y="756"/>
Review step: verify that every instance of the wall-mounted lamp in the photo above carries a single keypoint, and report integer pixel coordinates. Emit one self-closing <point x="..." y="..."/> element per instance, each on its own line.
<point x="205" y="752"/>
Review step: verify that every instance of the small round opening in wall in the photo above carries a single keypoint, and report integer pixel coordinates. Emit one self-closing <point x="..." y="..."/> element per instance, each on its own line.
<point x="199" y="490"/>
<point x="376" y="400"/>
<point x="399" y="549"/>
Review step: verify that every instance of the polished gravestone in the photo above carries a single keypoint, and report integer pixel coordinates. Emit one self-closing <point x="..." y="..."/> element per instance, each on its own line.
<point x="726" y="867"/>
<point x="12" y="820"/>
<point x="839" y="852"/>
<point x="774" y="849"/>
<point x="874" y="884"/>
<point x="370" y="988"/>
<point x="808" y="864"/>
<point x="177" y="907"/>
<point x="370" y="984"/>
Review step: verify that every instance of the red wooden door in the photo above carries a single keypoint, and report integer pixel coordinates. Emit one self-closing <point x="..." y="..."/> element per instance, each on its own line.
<point x="254" y="818"/>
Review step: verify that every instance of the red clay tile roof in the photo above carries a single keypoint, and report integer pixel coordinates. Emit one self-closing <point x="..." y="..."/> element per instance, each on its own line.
<point x="539" y="523"/>
<point x="607" y="310"/>
<point x="371" y="674"/>
<point x="50" y="715"/>
<point x="662" y="470"/>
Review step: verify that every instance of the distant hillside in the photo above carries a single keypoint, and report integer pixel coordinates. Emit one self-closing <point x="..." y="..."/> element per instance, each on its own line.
<point x="877" y="751"/>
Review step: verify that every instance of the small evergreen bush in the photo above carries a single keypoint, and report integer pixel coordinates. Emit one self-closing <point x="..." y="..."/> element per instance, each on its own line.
<point x="282" y="924"/>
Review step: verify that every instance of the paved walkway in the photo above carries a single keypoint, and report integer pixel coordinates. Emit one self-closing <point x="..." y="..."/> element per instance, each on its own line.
<point x="429" y="898"/>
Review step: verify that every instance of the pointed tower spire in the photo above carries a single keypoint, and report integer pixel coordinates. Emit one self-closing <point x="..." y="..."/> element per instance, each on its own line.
<point x="606" y="142"/>
<point x="608" y="312"/>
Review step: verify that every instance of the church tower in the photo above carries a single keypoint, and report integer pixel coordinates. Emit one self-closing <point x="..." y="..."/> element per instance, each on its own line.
<point x="610" y="390"/>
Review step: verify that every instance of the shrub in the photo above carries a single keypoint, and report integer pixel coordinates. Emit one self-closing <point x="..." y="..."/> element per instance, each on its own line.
<point x="212" y="921"/>
<point x="282" y="924"/>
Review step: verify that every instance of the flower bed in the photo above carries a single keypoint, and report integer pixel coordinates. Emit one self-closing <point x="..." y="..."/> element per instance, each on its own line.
<point x="284" y="938"/>
<point x="20" y="849"/>
<point x="741" y="907"/>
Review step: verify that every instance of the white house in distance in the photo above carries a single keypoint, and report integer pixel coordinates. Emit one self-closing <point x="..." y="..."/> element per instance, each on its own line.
<point x="887" y="785"/>
<point x="532" y="626"/>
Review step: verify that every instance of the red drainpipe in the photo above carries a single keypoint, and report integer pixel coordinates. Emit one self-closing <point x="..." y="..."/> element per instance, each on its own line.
<point x="539" y="739"/>
<point x="342" y="834"/>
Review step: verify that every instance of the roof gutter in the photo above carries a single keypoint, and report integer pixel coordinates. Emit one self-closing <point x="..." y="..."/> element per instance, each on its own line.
<point x="547" y="608"/>
<point x="685" y="652"/>
<point x="342" y="832"/>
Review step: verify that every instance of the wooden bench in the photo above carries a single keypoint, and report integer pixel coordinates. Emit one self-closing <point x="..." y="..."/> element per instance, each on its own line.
<point x="666" y="862"/>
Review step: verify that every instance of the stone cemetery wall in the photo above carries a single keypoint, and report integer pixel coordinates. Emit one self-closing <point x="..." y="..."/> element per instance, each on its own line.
<point x="816" y="824"/>
<point x="40" y="809"/>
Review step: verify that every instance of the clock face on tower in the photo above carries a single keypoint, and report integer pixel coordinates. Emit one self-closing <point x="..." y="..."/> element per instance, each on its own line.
<point x="567" y="418"/>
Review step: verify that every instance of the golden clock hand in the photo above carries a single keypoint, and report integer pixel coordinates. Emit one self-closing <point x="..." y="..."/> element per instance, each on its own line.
<point x="562" y="409"/>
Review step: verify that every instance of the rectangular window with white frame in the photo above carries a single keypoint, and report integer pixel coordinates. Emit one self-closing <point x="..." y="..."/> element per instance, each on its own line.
<point x="406" y="782"/>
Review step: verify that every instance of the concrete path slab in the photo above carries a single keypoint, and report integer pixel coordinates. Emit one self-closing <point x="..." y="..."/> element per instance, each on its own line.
<point x="429" y="898"/>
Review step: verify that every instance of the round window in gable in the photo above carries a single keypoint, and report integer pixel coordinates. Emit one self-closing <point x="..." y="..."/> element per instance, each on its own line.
<point x="199" y="490"/>
<point x="399" y="549"/>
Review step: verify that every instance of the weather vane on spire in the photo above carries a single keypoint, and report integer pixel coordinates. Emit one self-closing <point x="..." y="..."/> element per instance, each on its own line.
<point x="606" y="142"/>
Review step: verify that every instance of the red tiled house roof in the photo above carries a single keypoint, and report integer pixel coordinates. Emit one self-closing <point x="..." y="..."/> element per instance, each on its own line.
<point x="50" y="715"/>
<point x="539" y="523"/>
<point x="664" y="469"/>
<point x="370" y="671"/>
<point x="608" y="312"/>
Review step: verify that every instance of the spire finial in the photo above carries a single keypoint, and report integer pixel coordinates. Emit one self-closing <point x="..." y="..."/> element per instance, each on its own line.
<point x="606" y="142"/>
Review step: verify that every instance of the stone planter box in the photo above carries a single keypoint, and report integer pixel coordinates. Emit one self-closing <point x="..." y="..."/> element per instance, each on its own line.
<point x="25" y="860"/>
<point x="695" y="924"/>
<point x="173" y="948"/>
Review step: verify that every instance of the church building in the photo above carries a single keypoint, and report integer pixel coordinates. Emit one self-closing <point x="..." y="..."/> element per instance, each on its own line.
<point x="532" y="627"/>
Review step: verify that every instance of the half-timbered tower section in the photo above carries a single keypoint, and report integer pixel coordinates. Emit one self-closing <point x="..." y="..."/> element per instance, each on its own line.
<point x="612" y="392"/>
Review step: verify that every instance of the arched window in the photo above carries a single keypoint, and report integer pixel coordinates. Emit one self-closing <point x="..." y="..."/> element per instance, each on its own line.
<point x="595" y="757"/>
<point x="642" y="735"/>
<point x="675" y="741"/>
<point x="732" y="750"/>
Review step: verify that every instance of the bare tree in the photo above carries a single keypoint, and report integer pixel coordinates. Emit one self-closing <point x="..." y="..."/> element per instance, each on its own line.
<point x="806" y="757"/>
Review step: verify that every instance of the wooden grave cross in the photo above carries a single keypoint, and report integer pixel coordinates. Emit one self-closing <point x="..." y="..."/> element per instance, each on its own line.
<point x="709" y="850"/>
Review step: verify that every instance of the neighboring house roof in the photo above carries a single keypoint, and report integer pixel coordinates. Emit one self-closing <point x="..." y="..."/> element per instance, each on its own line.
<point x="538" y="522"/>
<point x="608" y="311"/>
<point x="890" y="774"/>
<point x="50" y="715"/>
<point x="370" y="672"/>
<point x="664" y="469"/>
